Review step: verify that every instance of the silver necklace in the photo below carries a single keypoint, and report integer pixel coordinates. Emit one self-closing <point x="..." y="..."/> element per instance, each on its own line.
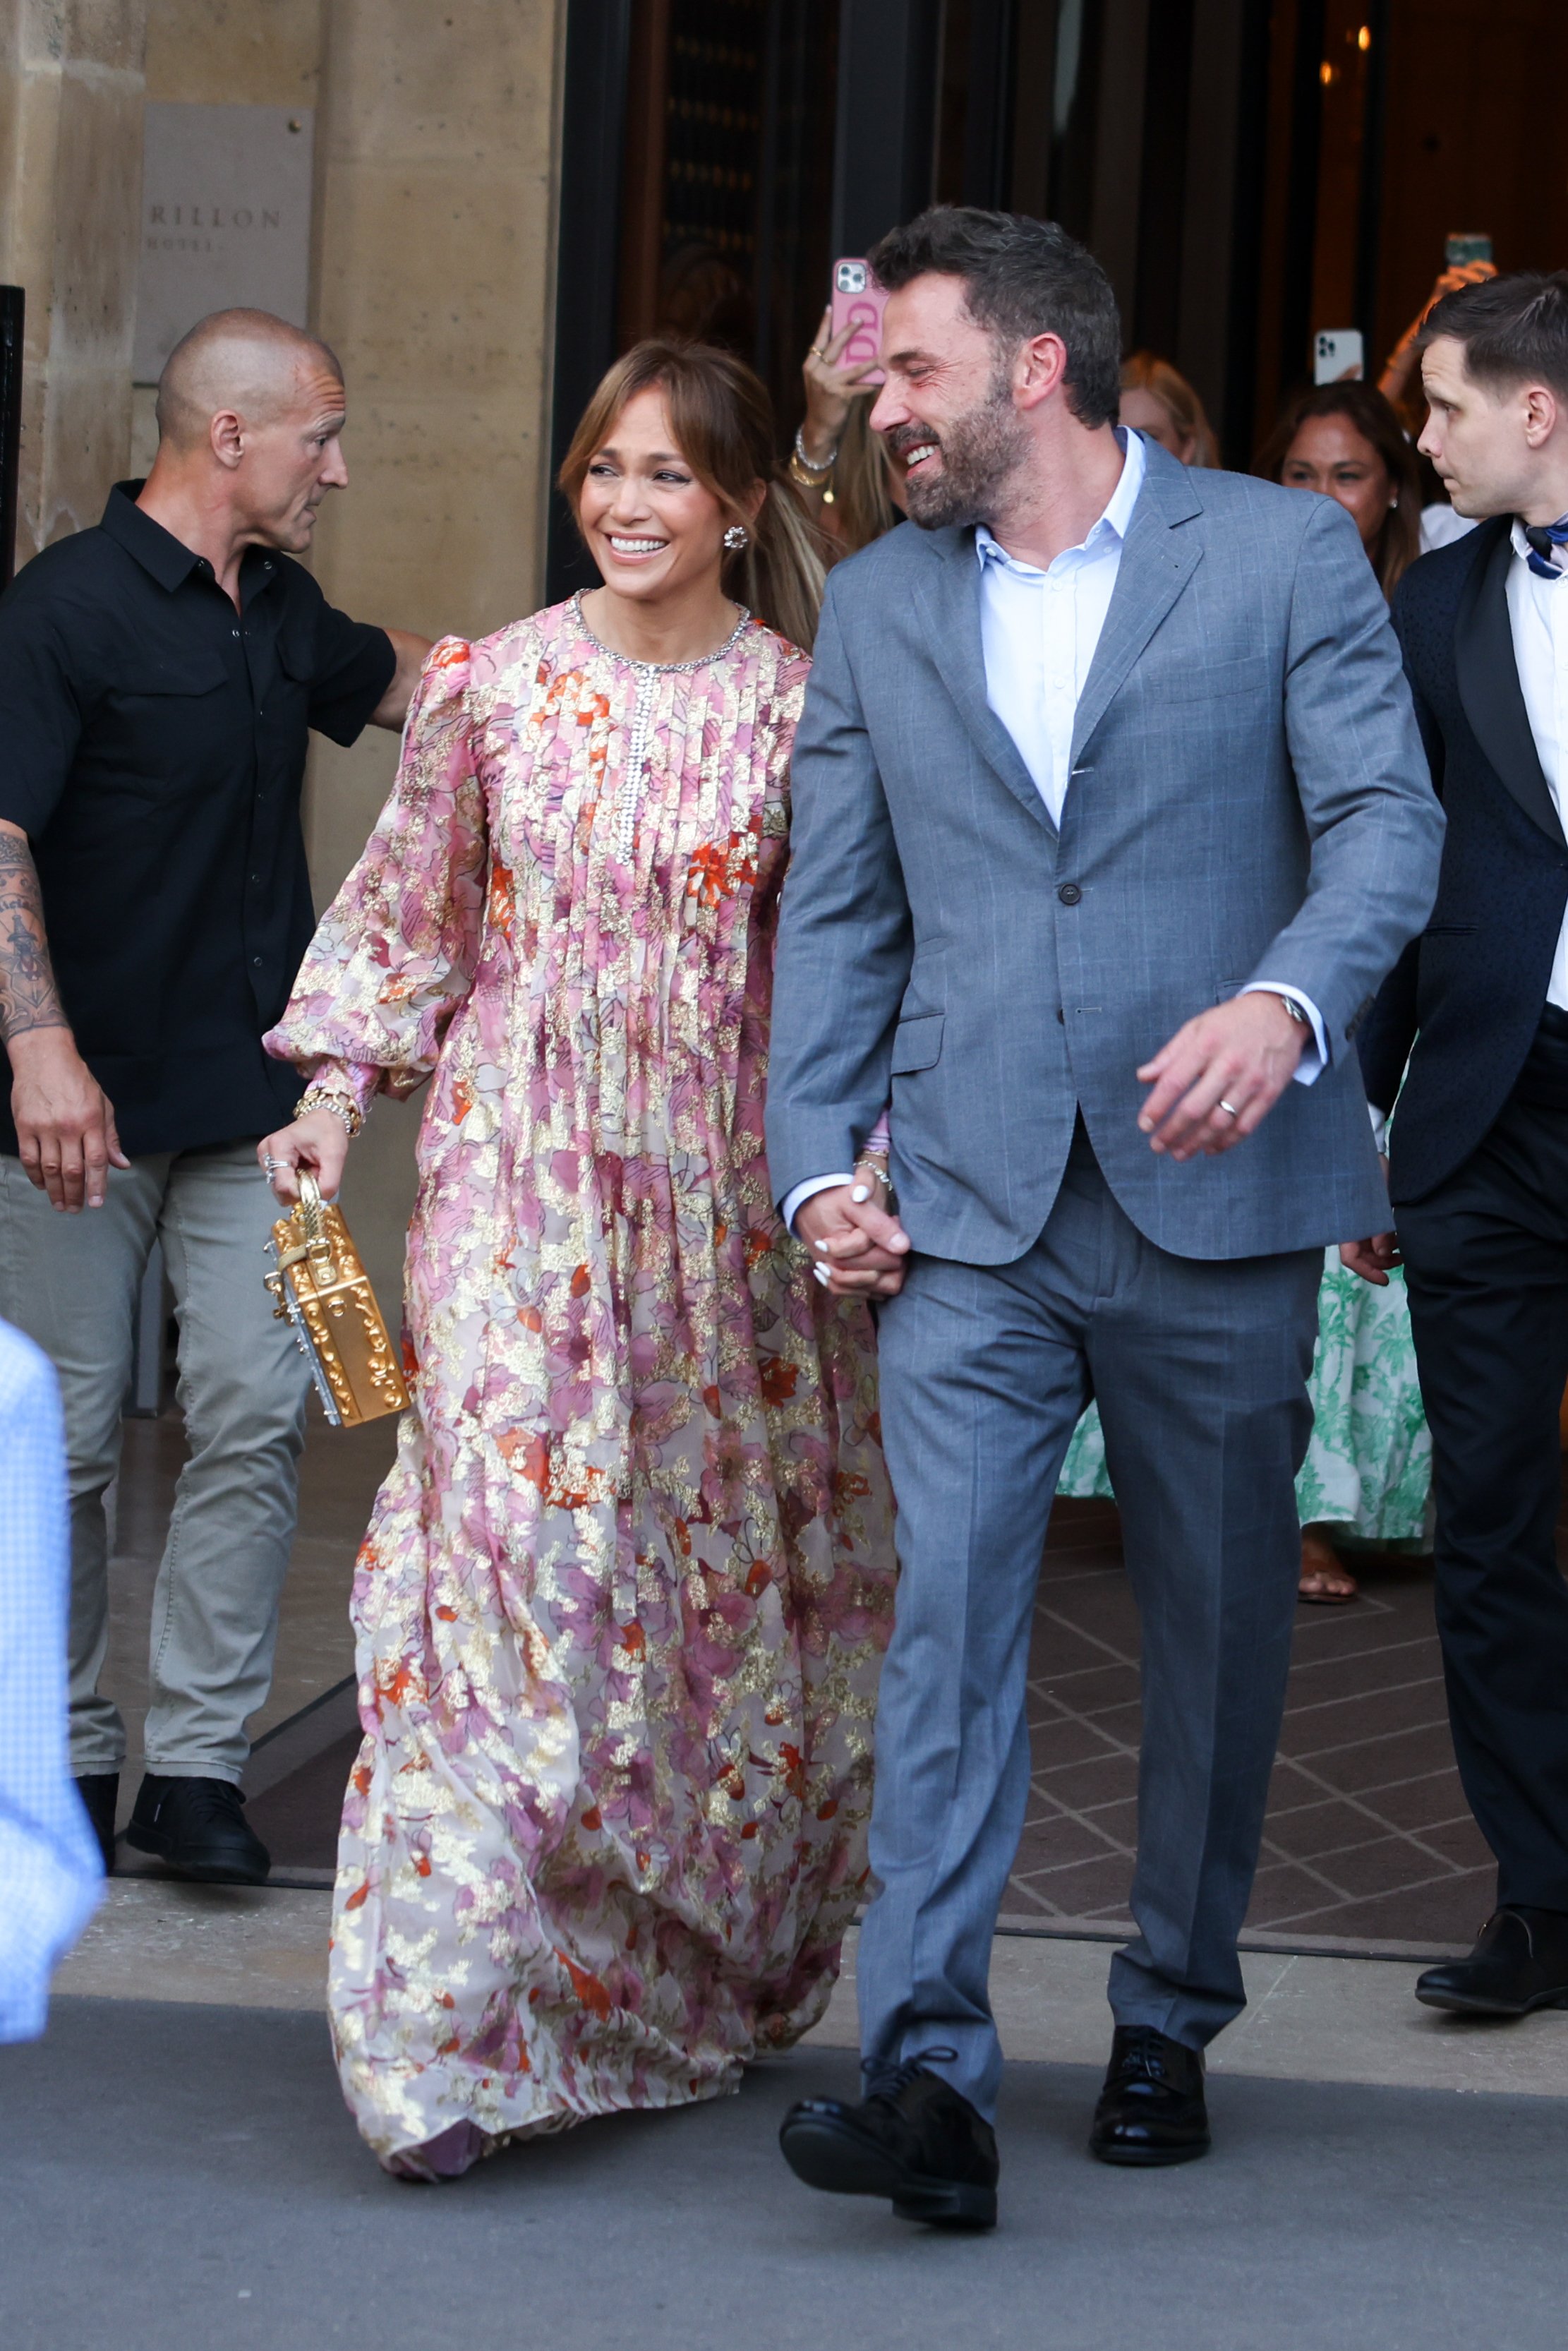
<point x="624" y="828"/>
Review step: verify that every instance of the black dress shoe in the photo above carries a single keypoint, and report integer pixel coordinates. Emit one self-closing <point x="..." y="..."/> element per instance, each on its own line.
<point x="1520" y="1962"/>
<point x="913" y="2137"/>
<point x="99" y="1793"/>
<point x="1151" y="2109"/>
<point x="198" y="1828"/>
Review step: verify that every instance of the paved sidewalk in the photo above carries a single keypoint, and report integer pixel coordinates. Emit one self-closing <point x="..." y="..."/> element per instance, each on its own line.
<point x="185" y="2178"/>
<point x="1311" y="2017"/>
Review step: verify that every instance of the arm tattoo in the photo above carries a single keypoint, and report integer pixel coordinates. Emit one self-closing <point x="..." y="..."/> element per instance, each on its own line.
<point x="28" y="997"/>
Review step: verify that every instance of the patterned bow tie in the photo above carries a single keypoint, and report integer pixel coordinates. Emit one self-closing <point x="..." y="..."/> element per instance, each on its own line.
<point x="1541" y="540"/>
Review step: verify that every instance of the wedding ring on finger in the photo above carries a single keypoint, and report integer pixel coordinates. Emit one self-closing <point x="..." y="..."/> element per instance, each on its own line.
<point x="1229" y="1108"/>
<point x="271" y="1164"/>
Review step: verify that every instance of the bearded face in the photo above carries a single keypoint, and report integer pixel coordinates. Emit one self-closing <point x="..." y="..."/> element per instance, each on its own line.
<point x="958" y="470"/>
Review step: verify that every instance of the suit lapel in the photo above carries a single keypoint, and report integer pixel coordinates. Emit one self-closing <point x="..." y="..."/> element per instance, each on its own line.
<point x="1490" y="690"/>
<point x="1157" y="564"/>
<point x="949" y="599"/>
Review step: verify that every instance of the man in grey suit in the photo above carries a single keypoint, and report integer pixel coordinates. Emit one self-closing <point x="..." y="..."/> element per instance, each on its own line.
<point x="1110" y="816"/>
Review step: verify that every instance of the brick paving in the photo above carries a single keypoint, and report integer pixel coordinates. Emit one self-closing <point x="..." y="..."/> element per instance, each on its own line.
<point x="1368" y="1837"/>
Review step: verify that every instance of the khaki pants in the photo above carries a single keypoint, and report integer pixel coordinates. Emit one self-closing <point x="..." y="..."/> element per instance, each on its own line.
<point x="71" y="1283"/>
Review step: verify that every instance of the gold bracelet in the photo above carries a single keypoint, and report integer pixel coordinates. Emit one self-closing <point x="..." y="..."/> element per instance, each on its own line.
<point x="340" y="1105"/>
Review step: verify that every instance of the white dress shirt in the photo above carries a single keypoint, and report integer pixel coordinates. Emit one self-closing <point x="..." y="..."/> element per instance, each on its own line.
<point x="1039" y="631"/>
<point x="1538" y="621"/>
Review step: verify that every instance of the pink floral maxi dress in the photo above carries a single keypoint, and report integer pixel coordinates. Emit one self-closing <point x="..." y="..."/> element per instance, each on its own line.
<point x="623" y="1600"/>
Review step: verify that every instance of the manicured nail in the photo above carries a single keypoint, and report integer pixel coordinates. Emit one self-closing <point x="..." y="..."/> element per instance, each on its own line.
<point x="822" y="1274"/>
<point x="860" y="1193"/>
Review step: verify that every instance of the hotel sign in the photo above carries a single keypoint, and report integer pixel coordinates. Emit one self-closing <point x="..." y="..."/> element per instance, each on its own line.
<point x="225" y="220"/>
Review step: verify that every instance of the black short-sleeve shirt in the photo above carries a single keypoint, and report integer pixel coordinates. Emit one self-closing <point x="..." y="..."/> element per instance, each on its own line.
<point x="153" y="746"/>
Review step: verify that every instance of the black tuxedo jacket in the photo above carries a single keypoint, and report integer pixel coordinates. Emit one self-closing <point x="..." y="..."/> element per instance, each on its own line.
<point x="1464" y="1000"/>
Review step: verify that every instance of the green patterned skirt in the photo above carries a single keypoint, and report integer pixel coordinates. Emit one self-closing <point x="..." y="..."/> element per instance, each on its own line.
<point x="1369" y="1466"/>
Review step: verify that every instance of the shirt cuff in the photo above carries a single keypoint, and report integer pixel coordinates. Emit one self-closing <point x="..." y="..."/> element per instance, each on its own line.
<point x="1379" y="1127"/>
<point x="1314" y="1058"/>
<point x="797" y="1199"/>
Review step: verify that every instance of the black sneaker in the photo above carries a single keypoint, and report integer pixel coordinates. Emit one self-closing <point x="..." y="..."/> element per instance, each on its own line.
<point x="912" y="2137"/>
<point x="1152" y="2107"/>
<point x="198" y="1828"/>
<point x="99" y="1793"/>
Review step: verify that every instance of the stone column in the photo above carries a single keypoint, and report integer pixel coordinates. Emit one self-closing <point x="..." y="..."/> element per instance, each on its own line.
<point x="437" y="162"/>
<point x="70" y="187"/>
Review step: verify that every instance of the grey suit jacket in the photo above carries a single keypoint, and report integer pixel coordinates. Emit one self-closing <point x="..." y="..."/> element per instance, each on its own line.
<point x="1249" y="800"/>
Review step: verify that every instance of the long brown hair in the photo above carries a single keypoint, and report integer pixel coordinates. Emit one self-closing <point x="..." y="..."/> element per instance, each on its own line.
<point x="1146" y="372"/>
<point x="722" y="420"/>
<point x="1399" y="542"/>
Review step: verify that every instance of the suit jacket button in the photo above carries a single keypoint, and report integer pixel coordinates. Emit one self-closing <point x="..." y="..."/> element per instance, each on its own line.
<point x="1070" y="894"/>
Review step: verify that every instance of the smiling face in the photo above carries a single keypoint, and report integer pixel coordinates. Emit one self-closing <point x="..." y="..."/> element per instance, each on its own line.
<point x="1329" y="456"/>
<point x="290" y="459"/>
<point x="651" y="528"/>
<point x="947" y="408"/>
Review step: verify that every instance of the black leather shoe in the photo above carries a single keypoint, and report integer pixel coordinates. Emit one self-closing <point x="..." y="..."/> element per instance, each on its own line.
<point x="198" y="1828"/>
<point x="1151" y="2109"/>
<point x="99" y="1793"/>
<point x="1520" y="1962"/>
<point x="913" y="2137"/>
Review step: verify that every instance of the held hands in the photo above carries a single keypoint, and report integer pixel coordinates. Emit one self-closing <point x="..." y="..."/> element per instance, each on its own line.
<point x="1242" y="1054"/>
<point x="1375" y="1257"/>
<point x="66" y="1135"/>
<point x="860" y="1248"/>
<point x="317" y="1142"/>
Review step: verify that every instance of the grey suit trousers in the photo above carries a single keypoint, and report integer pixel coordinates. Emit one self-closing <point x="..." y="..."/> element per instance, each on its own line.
<point x="70" y="1283"/>
<point x="1200" y="1370"/>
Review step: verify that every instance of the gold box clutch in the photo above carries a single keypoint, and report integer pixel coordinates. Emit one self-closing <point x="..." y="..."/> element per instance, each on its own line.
<point x="320" y="1287"/>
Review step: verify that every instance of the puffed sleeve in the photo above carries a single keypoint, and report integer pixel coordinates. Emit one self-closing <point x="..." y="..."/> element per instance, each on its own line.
<point x="394" y="955"/>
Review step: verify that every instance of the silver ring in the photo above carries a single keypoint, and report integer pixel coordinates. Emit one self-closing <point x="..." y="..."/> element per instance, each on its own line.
<point x="1229" y="1108"/>
<point x="271" y="1164"/>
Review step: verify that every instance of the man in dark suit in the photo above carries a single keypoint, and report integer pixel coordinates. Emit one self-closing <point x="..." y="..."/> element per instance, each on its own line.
<point x="1478" y="1006"/>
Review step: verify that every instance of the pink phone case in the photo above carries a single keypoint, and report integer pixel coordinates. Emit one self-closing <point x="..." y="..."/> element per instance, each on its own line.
<point x="857" y="301"/>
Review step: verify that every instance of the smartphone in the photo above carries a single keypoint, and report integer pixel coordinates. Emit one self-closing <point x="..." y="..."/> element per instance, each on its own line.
<point x="857" y="301"/>
<point x="1336" y="353"/>
<point x="1460" y="251"/>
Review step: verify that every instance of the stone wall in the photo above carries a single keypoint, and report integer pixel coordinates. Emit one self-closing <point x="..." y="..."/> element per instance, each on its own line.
<point x="438" y="141"/>
<point x="436" y="145"/>
<point x="70" y="177"/>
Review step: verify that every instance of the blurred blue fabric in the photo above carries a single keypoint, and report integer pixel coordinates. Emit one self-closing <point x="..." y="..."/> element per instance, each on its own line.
<point x="49" y="1868"/>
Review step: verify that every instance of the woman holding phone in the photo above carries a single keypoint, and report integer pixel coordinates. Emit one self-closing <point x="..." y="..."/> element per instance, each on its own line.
<point x="851" y="482"/>
<point x="621" y="1603"/>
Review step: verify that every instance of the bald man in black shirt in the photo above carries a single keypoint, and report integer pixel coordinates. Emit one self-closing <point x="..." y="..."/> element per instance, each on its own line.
<point x="159" y="676"/>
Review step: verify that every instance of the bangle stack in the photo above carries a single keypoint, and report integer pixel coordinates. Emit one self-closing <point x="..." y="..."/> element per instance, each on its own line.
<point x="810" y="474"/>
<point x="340" y="1105"/>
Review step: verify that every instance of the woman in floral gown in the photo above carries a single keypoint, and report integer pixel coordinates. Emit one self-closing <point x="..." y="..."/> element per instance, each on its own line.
<point x="621" y="1603"/>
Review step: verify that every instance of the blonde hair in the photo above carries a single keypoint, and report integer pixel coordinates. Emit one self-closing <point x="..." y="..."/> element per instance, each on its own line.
<point x="864" y="505"/>
<point x="722" y="420"/>
<point x="1146" y="372"/>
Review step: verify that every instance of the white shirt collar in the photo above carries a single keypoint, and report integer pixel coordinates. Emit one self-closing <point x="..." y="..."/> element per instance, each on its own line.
<point x="1114" y="523"/>
<point x="1522" y="547"/>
